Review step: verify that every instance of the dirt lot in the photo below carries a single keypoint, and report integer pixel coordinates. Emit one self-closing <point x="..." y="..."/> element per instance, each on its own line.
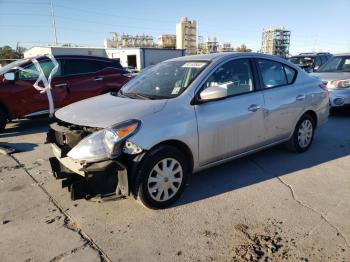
<point x="272" y="206"/>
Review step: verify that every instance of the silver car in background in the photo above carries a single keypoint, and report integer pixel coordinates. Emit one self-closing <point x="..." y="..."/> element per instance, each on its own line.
<point x="336" y="75"/>
<point x="182" y="116"/>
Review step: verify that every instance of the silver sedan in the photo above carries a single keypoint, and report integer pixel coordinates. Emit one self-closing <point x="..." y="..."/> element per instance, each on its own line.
<point x="182" y="116"/>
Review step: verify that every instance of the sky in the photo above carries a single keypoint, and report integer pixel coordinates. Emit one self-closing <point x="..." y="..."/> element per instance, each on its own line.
<point x="316" y="25"/>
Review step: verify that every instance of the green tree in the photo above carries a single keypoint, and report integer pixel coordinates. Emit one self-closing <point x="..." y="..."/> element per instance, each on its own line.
<point x="243" y="48"/>
<point x="6" y="52"/>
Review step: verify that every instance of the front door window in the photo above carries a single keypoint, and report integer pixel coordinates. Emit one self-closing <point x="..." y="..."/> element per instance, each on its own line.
<point x="235" y="76"/>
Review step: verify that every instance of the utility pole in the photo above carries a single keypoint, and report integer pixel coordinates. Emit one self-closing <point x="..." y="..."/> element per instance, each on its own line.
<point x="53" y="22"/>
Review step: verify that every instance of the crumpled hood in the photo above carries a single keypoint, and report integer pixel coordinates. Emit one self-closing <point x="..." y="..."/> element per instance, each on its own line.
<point x="332" y="76"/>
<point x="106" y="110"/>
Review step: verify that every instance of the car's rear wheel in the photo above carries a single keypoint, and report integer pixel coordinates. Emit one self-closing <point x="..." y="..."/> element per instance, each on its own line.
<point x="161" y="177"/>
<point x="3" y="119"/>
<point x="303" y="134"/>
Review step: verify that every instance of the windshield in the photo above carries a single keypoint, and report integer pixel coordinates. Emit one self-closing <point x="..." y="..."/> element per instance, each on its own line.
<point x="164" y="80"/>
<point x="6" y="68"/>
<point x="336" y="64"/>
<point x="303" y="60"/>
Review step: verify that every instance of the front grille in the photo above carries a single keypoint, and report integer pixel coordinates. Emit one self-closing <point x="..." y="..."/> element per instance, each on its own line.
<point x="66" y="135"/>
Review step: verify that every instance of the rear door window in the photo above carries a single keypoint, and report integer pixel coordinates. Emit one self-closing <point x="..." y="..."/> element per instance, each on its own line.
<point x="290" y="73"/>
<point x="115" y="64"/>
<point x="83" y="66"/>
<point x="272" y="73"/>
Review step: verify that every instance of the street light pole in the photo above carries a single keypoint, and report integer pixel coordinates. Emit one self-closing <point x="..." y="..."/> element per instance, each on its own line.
<point x="53" y="22"/>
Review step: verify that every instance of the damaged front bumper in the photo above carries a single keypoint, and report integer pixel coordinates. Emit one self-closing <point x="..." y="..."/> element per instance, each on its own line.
<point x="105" y="179"/>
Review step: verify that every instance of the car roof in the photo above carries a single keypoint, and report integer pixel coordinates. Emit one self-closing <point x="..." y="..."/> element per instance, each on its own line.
<point x="311" y="54"/>
<point x="76" y="56"/>
<point x="219" y="56"/>
<point x="342" y="54"/>
<point x="303" y="55"/>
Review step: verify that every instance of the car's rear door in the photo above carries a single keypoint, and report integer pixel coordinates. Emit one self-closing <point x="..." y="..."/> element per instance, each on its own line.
<point x="233" y="125"/>
<point x="85" y="77"/>
<point x="114" y="76"/>
<point x="284" y="98"/>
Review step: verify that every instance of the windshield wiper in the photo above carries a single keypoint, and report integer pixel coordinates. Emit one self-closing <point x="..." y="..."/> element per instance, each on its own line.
<point x="136" y="95"/>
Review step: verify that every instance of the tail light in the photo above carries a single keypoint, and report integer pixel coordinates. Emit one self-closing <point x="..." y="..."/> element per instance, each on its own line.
<point x="323" y="86"/>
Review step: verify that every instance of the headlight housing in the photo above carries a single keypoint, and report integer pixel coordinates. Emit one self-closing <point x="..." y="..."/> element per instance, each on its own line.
<point x="103" y="144"/>
<point x="339" y="83"/>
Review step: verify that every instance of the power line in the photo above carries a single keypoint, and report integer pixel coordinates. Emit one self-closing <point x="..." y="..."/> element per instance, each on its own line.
<point x="26" y="26"/>
<point x="99" y="23"/>
<point x="25" y="2"/>
<point x="24" y="14"/>
<point x="104" y="14"/>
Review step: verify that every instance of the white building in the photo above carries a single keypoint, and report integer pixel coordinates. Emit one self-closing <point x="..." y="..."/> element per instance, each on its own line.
<point x="186" y="36"/>
<point x="140" y="57"/>
<point x="62" y="50"/>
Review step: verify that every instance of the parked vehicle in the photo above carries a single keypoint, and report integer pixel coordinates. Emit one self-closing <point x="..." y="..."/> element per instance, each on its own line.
<point x="182" y="116"/>
<point x="310" y="62"/>
<point x="336" y="75"/>
<point x="77" y="78"/>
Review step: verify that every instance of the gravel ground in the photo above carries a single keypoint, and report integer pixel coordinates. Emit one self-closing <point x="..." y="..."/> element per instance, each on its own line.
<point x="270" y="206"/>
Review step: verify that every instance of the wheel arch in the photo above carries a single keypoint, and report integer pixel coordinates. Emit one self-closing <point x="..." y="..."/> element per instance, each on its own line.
<point x="182" y="147"/>
<point x="313" y="115"/>
<point x="5" y="109"/>
<point x="309" y="112"/>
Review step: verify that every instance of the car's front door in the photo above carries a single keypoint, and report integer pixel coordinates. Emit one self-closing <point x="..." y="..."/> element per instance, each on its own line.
<point x="29" y="100"/>
<point x="235" y="124"/>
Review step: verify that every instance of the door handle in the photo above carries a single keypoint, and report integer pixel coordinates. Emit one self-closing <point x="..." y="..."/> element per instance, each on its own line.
<point x="61" y="85"/>
<point x="98" y="78"/>
<point x="300" y="97"/>
<point x="254" y="108"/>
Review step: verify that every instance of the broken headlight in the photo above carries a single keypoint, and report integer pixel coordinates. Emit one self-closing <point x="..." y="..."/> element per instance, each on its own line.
<point x="102" y="144"/>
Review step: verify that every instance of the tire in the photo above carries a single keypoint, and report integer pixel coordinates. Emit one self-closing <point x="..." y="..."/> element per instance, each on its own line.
<point x="303" y="135"/>
<point x="3" y="119"/>
<point x="150" y="181"/>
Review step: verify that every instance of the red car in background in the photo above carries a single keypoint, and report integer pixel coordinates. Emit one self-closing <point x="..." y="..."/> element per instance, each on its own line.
<point x="77" y="78"/>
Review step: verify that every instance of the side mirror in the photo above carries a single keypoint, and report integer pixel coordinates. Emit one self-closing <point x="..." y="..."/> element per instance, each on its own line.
<point x="213" y="93"/>
<point x="9" y="76"/>
<point x="316" y="68"/>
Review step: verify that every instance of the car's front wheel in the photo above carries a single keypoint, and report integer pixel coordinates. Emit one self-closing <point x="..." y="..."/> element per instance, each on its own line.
<point x="303" y="134"/>
<point x="161" y="177"/>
